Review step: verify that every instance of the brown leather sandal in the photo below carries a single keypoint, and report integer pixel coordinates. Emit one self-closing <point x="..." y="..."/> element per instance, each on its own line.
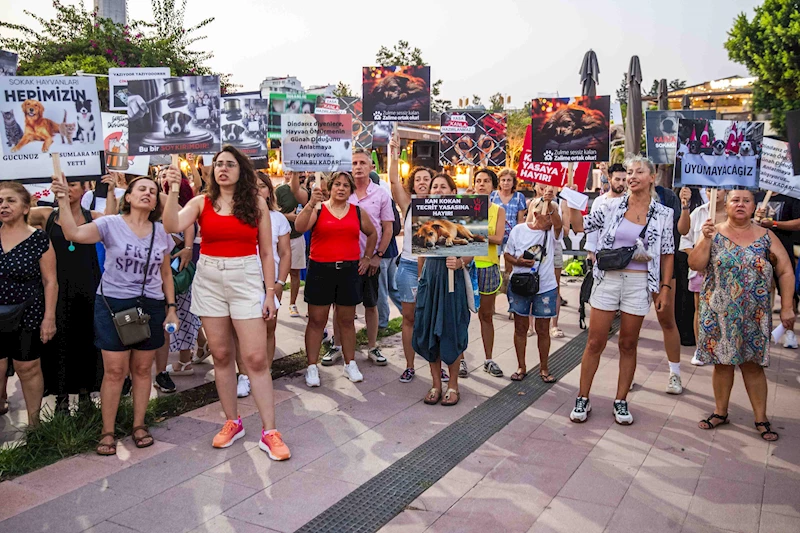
<point x="139" y="441"/>
<point x="433" y="396"/>
<point x="107" y="449"/>
<point x="446" y="401"/>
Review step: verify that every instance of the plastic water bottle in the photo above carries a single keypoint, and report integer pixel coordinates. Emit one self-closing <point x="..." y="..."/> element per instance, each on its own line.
<point x="171" y="327"/>
<point x="299" y="208"/>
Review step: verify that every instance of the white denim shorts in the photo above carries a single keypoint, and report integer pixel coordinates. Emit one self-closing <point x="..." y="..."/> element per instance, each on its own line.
<point x="227" y="286"/>
<point x="622" y="291"/>
<point x="298" y="253"/>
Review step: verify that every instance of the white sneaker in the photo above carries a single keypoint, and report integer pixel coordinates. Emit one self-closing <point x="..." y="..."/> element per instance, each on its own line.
<point x="790" y="339"/>
<point x="621" y="413"/>
<point x="243" y="386"/>
<point x="333" y="354"/>
<point x="312" y="376"/>
<point x="674" y="385"/>
<point x="352" y="372"/>
<point x="581" y="411"/>
<point x="695" y="361"/>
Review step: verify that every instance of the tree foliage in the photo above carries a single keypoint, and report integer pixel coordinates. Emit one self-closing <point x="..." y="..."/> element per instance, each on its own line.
<point x="676" y="85"/>
<point x="402" y="54"/>
<point x="622" y="92"/>
<point x="769" y="46"/>
<point x="78" y="40"/>
<point x="517" y="123"/>
<point x="497" y="102"/>
<point x="342" y="89"/>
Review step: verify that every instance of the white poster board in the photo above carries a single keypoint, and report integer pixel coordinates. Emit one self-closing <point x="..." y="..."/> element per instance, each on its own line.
<point x="115" y="142"/>
<point x="118" y="83"/>
<point x="777" y="174"/>
<point x="317" y="142"/>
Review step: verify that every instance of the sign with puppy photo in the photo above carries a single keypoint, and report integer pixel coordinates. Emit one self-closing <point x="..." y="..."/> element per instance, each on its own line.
<point x="776" y="173"/>
<point x="115" y="144"/>
<point x="397" y="94"/>
<point x="118" y="79"/>
<point x="552" y="174"/>
<point x="662" y="132"/>
<point x="362" y="131"/>
<point x="473" y="138"/>
<point x="50" y="114"/>
<point x="317" y="142"/>
<point x="570" y="129"/>
<point x="450" y="225"/>
<point x="718" y="153"/>
<point x="8" y="63"/>
<point x="244" y="122"/>
<point x="174" y="115"/>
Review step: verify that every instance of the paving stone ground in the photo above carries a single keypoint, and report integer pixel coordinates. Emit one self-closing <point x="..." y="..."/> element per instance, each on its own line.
<point x="541" y="473"/>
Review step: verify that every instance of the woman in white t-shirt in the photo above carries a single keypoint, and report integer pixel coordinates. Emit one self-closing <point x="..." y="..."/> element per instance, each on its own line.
<point x="531" y="247"/>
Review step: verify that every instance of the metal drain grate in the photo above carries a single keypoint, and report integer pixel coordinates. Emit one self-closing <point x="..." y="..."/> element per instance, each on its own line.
<point x="383" y="497"/>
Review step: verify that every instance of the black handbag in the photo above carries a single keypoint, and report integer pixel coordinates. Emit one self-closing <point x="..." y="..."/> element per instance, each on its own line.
<point x="11" y="315"/>
<point x="618" y="258"/>
<point x="527" y="284"/>
<point x="133" y="324"/>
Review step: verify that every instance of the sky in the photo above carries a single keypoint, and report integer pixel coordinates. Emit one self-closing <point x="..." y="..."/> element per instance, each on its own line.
<point x="521" y="48"/>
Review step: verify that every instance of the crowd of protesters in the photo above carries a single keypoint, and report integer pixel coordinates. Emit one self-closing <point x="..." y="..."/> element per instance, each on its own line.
<point x="166" y="264"/>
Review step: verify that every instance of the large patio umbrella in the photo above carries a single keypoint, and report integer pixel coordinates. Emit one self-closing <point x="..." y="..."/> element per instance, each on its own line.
<point x="686" y="102"/>
<point x="633" y="122"/>
<point x="590" y="74"/>
<point x="663" y="96"/>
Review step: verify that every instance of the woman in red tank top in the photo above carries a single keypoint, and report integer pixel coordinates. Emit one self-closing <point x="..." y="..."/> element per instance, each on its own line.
<point x="227" y="292"/>
<point x="334" y="269"/>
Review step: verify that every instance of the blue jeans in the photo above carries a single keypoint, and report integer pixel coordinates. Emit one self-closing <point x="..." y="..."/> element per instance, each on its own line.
<point x="387" y="289"/>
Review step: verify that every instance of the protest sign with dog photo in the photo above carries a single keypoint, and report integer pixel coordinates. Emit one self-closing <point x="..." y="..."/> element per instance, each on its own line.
<point x="281" y="104"/>
<point x="397" y="94"/>
<point x="174" y="115"/>
<point x="451" y="225"/>
<point x="718" y="153"/>
<point x="244" y="122"/>
<point x="553" y="174"/>
<point x="662" y="132"/>
<point x="473" y="138"/>
<point x="8" y="63"/>
<point x="362" y="131"/>
<point x="570" y="129"/>
<point x="776" y="172"/>
<point x="317" y="142"/>
<point x="118" y="79"/>
<point x="115" y="144"/>
<point x="50" y="114"/>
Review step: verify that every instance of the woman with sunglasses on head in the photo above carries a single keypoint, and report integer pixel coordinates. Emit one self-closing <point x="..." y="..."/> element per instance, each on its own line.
<point x="137" y="276"/>
<point x="227" y="293"/>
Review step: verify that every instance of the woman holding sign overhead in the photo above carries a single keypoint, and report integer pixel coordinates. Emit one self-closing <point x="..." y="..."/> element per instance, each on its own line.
<point x="739" y="259"/>
<point x="633" y="269"/>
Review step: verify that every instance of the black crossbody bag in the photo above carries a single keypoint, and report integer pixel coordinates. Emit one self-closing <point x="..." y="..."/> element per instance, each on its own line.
<point x="133" y="324"/>
<point x="528" y="284"/>
<point x="618" y="258"/>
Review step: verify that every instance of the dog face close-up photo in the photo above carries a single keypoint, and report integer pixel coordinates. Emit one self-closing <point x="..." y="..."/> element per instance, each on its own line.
<point x="718" y="147"/>
<point x="176" y="122"/>
<point x="399" y="87"/>
<point x="232" y="132"/>
<point x="436" y="232"/>
<point x="86" y="130"/>
<point x="573" y="122"/>
<point x="668" y="125"/>
<point x="746" y="149"/>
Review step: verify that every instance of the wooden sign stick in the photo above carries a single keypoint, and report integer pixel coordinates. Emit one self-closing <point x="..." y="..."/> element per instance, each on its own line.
<point x="712" y="200"/>
<point x="176" y="161"/>
<point x="57" y="169"/>
<point x="451" y="280"/>
<point x="764" y="203"/>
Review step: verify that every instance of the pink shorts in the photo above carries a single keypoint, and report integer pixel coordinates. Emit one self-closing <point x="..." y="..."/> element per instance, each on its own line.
<point x="696" y="283"/>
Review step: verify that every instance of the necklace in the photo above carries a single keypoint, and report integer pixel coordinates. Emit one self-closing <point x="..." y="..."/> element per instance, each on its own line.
<point x="338" y="213"/>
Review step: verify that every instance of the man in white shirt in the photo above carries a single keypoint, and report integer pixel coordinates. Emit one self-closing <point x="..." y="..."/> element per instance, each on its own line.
<point x="617" y="176"/>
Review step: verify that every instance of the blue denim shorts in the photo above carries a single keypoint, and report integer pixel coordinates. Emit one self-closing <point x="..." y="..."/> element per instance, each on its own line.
<point x="540" y="306"/>
<point x="105" y="334"/>
<point x="407" y="280"/>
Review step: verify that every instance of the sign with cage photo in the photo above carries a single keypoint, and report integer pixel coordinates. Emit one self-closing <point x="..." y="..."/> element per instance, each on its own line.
<point x="473" y="138"/>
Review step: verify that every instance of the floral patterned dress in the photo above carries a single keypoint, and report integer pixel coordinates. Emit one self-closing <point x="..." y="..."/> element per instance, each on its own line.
<point x="735" y="310"/>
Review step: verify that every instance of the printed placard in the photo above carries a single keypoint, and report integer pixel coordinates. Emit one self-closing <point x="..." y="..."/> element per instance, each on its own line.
<point x="718" y="153"/>
<point x="8" y="63"/>
<point x="50" y="114"/>
<point x="317" y="142"/>
<point x="115" y="144"/>
<point x="244" y="122"/>
<point x="118" y="79"/>
<point x="281" y="104"/>
<point x="570" y="129"/>
<point x="776" y="172"/>
<point x="362" y="131"/>
<point x="450" y="225"/>
<point x="473" y="138"/>
<point x="553" y="174"/>
<point x="662" y="132"/>
<point x="397" y="93"/>
<point x="174" y="115"/>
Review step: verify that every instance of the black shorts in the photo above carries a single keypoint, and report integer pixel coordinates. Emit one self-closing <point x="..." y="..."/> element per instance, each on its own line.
<point x="21" y="345"/>
<point x="369" y="287"/>
<point x="333" y="283"/>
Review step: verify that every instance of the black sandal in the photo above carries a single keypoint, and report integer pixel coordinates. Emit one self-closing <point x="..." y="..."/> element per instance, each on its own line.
<point x="107" y="449"/>
<point x="709" y="421"/>
<point x="767" y="431"/>
<point x="547" y="377"/>
<point x="139" y="441"/>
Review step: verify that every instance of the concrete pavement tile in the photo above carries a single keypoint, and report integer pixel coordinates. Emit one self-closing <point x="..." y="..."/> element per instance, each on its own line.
<point x="744" y="464"/>
<point x="410" y="521"/>
<point x="375" y="406"/>
<point x="564" y="515"/>
<point x="599" y="482"/>
<point x="694" y="525"/>
<point x="417" y="388"/>
<point x="641" y="510"/>
<point x="509" y="508"/>
<point x="782" y="492"/>
<point x="551" y="453"/>
<point x="727" y="504"/>
<point x="300" y="409"/>
<point x="182" y="429"/>
<point x="67" y="475"/>
<point x="455" y="484"/>
<point x="213" y="413"/>
<point x="128" y="454"/>
<point x="18" y="498"/>
<point x="254" y="469"/>
<point x="72" y="512"/>
<point x="620" y="448"/>
<point x="109" y="527"/>
<point x="539" y="484"/>
<point x="680" y="437"/>
<point x="560" y="428"/>
<point x="671" y="472"/>
<point x="785" y="453"/>
<point x="479" y="522"/>
<point x="226" y="524"/>
<point x="278" y="507"/>
<point x="775" y="523"/>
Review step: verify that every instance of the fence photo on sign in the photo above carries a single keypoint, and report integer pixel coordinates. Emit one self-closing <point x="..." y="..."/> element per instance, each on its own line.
<point x="8" y="63"/>
<point x="553" y="174"/>
<point x="118" y="79"/>
<point x="662" y="132"/>
<point x="174" y="115"/>
<point x="280" y="104"/>
<point x="570" y="129"/>
<point x="397" y="93"/>
<point x="718" y="153"/>
<point x="244" y="122"/>
<point x="776" y="173"/>
<point x="317" y="142"/>
<point x="115" y="145"/>
<point x="452" y="225"/>
<point x="473" y="138"/>
<point x="362" y="131"/>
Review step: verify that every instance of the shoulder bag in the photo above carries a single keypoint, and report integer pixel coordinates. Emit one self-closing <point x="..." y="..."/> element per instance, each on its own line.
<point x="527" y="284"/>
<point x="618" y="258"/>
<point x="133" y="324"/>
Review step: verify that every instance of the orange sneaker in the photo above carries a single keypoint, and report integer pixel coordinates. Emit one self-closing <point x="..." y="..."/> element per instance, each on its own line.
<point x="272" y="443"/>
<point x="230" y="433"/>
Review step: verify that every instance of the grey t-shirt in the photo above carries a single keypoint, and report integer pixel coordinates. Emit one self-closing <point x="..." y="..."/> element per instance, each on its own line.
<point x="126" y="255"/>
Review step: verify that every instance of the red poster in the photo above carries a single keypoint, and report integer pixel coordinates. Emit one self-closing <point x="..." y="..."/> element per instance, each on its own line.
<point x="554" y="174"/>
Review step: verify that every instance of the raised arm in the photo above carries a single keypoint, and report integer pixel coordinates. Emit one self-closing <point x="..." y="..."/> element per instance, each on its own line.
<point x="400" y="195"/>
<point x="300" y="193"/>
<point x="174" y="218"/>
<point x="308" y="216"/>
<point x="84" y="234"/>
<point x="701" y="253"/>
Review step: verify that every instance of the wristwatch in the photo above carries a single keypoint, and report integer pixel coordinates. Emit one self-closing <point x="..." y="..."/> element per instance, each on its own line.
<point x="173" y="305"/>
<point x="380" y="254"/>
<point x="281" y="283"/>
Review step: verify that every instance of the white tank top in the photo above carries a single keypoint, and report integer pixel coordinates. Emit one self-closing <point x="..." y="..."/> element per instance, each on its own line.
<point x="407" y="238"/>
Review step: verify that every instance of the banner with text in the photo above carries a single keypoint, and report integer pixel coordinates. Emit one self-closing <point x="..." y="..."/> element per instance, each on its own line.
<point x="554" y="174"/>
<point x="452" y="225"/>
<point x="473" y="138"/>
<point x="776" y="173"/>
<point x="397" y="93"/>
<point x="317" y="142"/>
<point x="118" y="79"/>
<point x="571" y="129"/>
<point x="662" y="132"/>
<point x="244" y="122"/>
<point x="362" y="131"/>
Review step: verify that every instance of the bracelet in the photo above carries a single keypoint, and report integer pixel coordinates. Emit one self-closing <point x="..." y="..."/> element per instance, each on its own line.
<point x="281" y="283"/>
<point x="775" y="224"/>
<point x="462" y="262"/>
<point x="173" y="305"/>
<point x="666" y="285"/>
<point x="271" y="289"/>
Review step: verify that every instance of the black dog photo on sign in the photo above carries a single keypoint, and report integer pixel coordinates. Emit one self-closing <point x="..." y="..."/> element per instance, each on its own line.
<point x="397" y="93"/>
